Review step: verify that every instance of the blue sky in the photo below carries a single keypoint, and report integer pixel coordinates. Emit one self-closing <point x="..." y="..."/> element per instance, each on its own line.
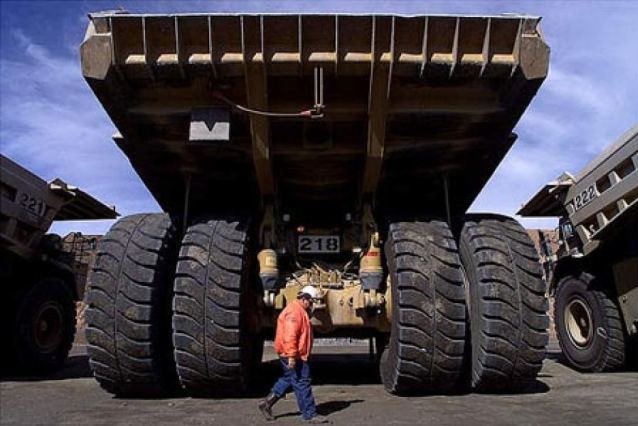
<point x="51" y="123"/>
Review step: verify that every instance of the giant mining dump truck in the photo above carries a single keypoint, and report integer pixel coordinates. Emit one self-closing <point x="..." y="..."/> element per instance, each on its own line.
<point x="594" y="273"/>
<point x="39" y="282"/>
<point x="329" y="150"/>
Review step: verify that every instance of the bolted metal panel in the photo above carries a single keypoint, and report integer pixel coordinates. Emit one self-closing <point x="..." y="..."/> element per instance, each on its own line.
<point x="209" y="125"/>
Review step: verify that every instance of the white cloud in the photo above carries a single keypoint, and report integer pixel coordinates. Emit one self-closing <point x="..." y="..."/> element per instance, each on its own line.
<point x="51" y="123"/>
<point x="587" y="101"/>
<point x="580" y="91"/>
<point x="21" y="37"/>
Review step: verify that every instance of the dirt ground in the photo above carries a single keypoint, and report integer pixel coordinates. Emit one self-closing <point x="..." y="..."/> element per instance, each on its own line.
<point x="347" y="390"/>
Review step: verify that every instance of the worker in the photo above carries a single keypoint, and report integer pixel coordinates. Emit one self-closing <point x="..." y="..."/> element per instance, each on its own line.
<point x="293" y="343"/>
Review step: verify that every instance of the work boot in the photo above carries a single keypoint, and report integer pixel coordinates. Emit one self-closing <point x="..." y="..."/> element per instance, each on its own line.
<point x="265" y="406"/>
<point x="318" y="419"/>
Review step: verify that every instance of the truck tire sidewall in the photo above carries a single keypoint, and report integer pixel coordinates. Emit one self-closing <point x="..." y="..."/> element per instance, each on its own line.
<point x="389" y="355"/>
<point x="472" y="297"/>
<point x="589" y="356"/>
<point x="48" y="304"/>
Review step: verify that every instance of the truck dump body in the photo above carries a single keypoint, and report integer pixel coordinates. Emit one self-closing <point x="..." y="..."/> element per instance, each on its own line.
<point x="602" y="201"/>
<point x="30" y="204"/>
<point x="404" y="103"/>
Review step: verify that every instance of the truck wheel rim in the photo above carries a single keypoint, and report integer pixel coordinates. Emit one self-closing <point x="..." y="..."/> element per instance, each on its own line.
<point x="48" y="324"/>
<point x="578" y="323"/>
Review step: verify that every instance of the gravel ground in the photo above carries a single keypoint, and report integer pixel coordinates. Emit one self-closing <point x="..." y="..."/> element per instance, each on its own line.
<point x="347" y="390"/>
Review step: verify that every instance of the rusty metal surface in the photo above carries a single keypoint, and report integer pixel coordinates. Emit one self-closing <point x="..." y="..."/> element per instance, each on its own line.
<point x="408" y="100"/>
<point x="83" y="249"/>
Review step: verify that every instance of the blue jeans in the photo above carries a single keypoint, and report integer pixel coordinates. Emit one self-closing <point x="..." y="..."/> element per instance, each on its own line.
<point x="299" y="380"/>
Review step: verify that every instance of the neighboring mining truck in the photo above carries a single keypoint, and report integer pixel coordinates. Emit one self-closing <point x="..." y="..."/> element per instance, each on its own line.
<point x="594" y="276"/>
<point x="335" y="151"/>
<point x="39" y="285"/>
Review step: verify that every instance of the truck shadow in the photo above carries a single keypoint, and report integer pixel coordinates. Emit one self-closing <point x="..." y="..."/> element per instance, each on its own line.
<point x="327" y="369"/>
<point x="555" y="356"/>
<point x="325" y="408"/>
<point x="358" y="369"/>
<point x="75" y="367"/>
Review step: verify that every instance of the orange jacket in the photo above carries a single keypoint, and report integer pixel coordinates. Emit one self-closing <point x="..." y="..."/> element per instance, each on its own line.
<point x="294" y="332"/>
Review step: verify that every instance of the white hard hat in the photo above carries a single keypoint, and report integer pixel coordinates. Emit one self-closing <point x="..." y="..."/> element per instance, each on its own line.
<point x="310" y="291"/>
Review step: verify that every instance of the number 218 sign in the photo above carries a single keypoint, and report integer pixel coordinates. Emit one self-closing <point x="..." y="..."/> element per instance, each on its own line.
<point x="318" y="244"/>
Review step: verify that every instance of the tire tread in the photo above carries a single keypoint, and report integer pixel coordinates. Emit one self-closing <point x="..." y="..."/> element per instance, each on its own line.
<point x="127" y="293"/>
<point x="425" y="352"/>
<point x="509" y="330"/>
<point x="207" y="312"/>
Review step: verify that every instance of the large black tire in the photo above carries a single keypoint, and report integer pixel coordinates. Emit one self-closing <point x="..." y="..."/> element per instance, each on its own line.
<point x="426" y="346"/>
<point x="507" y="303"/>
<point x="45" y="327"/>
<point x="588" y="325"/>
<point x="214" y="351"/>
<point x="128" y="314"/>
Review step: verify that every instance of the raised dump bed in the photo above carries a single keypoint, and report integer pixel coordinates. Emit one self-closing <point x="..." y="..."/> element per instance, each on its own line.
<point x="30" y="205"/>
<point x="405" y="101"/>
<point x="328" y="148"/>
